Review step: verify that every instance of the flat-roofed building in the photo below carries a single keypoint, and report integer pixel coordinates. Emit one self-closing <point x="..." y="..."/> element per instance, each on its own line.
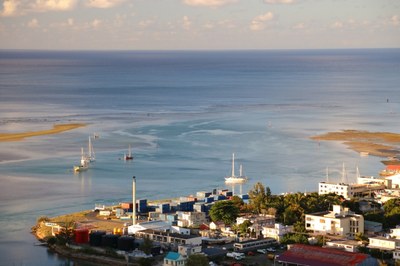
<point x="170" y="238"/>
<point x="340" y="222"/>
<point x="344" y="244"/>
<point x="299" y="254"/>
<point x="384" y="243"/>
<point x="349" y="191"/>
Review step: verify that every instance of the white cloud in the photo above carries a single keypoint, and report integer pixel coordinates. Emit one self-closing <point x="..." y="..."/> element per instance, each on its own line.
<point x="337" y="25"/>
<point x="9" y="8"/>
<point x="258" y="23"/>
<point x="211" y="3"/>
<point x="34" y="23"/>
<point x="299" y="26"/>
<point x="55" y="5"/>
<point x="146" y="23"/>
<point x="70" y="22"/>
<point x="103" y="3"/>
<point x="394" y="20"/>
<point x="186" y="23"/>
<point x="279" y="1"/>
<point x="95" y="23"/>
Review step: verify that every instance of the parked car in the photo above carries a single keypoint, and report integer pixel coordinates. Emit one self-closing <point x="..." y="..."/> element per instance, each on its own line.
<point x="271" y="249"/>
<point x="262" y="251"/>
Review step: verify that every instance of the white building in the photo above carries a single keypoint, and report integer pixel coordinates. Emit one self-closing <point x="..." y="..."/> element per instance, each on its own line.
<point x="340" y="221"/>
<point x="154" y="225"/>
<point x="257" y="221"/>
<point x="349" y="191"/>
<point x="277" y="231"/>
<point x="395" y="232"/>
<point x="344" y="244"/>
<point x="191" y="219"/>
<point x="384" y="243"/>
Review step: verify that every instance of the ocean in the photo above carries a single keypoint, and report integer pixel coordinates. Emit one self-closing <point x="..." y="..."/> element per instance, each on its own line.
<point x="184" y="113"/>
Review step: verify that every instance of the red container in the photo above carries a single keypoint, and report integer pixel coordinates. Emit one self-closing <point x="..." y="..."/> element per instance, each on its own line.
<point x="81" y="236"/>
<point x="126" y="205"/>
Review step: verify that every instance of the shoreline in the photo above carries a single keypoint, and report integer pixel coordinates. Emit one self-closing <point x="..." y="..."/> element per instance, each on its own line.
<point x="57" y="128"/>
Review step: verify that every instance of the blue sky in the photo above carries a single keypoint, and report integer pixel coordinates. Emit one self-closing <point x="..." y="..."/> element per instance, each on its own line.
<point x="198" y="24"/>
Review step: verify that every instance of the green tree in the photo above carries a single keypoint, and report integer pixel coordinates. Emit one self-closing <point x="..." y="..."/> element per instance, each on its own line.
<point x="197" y="260"/>
<point x="225" y="211"/>
<point x="146" y="246"/>
<point x="66" y="233"/>
<point x="259" y="197"/>
<point x="244" y="227"/>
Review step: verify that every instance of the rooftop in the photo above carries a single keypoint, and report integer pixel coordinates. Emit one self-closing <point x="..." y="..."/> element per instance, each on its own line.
<point x="316" y="256"/>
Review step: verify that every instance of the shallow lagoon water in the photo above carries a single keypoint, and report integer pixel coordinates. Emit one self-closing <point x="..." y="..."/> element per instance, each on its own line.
<point x="184" y="113"/>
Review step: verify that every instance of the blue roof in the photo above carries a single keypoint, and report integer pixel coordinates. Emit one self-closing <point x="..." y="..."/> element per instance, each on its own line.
<point x="172" y="256"/>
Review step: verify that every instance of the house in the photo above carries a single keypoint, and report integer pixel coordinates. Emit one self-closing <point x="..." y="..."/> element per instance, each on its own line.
<point x="299" y="254"/>
<point x="395" y="232"/>
<point x="384" y="243"/>
<point x="344" y="244"/>
<point x="277" y="231"/>
<point x="187" y="250"/>
<point x="174" y="259"/>
<point x="257" y="221"/>
<point x="217" y="225"/>
<point x="191" y="219"/>
<point x="340" y="222"/>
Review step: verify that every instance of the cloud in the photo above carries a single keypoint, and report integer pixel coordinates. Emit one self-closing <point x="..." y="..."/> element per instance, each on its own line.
<point x="95" y="23"/>
<point x="146" y="23"/>
<point x="103" y="3"/>
<point x="394" y="20"/>
<point x="34" y="23"/>
<point x="54" y="5"/>
<point x="299" y="26"/>
<point x="210" y="3"/>
<point x="70" y="22"/>
<point x="258" y="23"/>
<point x="279" y="1"/>
<point x="337" y="25"/>
<point x="186" y="23"/>
<point x="9" y="8"/>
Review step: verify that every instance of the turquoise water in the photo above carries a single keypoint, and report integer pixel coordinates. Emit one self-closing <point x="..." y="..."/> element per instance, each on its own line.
<point x="184" y="113"/>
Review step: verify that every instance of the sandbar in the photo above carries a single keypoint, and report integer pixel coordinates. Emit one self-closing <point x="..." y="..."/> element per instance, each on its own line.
<point x="58" y="128"/>
<point x="380" y="144"/>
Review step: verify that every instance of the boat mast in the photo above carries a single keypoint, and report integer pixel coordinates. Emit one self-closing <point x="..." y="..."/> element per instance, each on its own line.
<point x="233" y="165"/>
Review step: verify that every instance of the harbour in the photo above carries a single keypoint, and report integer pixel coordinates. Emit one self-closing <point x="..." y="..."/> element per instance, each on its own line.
<point x="180" y="143"/>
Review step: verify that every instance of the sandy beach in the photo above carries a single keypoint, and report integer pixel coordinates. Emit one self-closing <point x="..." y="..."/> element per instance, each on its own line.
<point x="58" y="128"/>
<point x="380" y="144"/>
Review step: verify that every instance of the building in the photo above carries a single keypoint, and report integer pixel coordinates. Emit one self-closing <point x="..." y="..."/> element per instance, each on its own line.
<point x="384" y="243"/>
<point x="349" y="191"/>
<point x="344" y="244"/>
<point x="191" y="219"/>
<point x="254" y="244"/>
<point x="277" y="231"/>
<point x="340" y="222"/>
<point x="173" y="239"/>
<point x="154" y="225"/>
<point x="395" y="232"/>
<point x="174" y="259"/>
<point x="257" y="221"/>
<point x="371" y="227"/>
<point x="303" y="255"/>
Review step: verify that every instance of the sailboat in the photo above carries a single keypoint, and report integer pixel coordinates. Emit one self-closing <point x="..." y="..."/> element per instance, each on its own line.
<point x="84" y="163"/>
<point x="235" y="179"/>
<point x="128" y="156"/>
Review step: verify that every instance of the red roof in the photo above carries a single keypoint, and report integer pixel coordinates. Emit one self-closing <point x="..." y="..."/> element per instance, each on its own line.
<point x="393" y="167"/>
<point x="316" y="256"/>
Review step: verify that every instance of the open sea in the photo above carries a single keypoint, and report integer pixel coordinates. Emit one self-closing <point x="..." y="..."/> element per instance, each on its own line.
<point x="184" y="113"/>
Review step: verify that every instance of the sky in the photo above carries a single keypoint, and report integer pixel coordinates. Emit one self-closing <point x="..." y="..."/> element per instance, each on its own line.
<point x="198" y="24"/>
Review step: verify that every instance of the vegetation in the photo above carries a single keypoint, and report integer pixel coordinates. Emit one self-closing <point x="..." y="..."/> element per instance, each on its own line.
<point x="43" y="219"/>
<point x="197" y="260"/>
<point x="225" y="211"/>
<point x="146" y="246"/>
